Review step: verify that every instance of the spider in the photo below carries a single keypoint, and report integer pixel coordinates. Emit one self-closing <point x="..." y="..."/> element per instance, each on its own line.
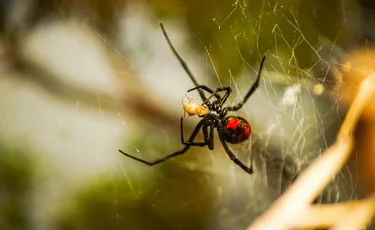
<point x="231" y="129"/>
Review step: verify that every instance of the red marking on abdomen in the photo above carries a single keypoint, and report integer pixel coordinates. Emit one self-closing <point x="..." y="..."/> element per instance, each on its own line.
<point x="240" y="137"/>
<point x="232" y="124"/>
<point x="247" y="130"/>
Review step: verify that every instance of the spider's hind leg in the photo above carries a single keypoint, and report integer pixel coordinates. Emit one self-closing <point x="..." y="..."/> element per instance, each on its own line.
<point x="233" y="157"/>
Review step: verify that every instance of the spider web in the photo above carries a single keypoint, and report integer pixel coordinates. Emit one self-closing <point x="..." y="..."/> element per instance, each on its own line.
<point x="294" y="114"/>
<point x="291" y="123"/>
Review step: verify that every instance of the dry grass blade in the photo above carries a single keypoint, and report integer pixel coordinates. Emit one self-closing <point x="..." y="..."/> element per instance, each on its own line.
<point x="358" y="217"/>
<point x="294" y="204"/>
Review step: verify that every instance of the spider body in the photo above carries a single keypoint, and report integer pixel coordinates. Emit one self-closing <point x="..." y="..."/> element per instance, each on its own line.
<point x="231" y="129"/>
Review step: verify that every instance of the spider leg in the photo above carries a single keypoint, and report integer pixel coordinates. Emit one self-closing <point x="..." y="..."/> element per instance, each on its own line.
<point x="208" y="137"/>
<point x="215" y="93"/>
<point x="206" y="88"/>
<point x="179" y="152"/>
<point x="226" y="95"/>
<point x="183" y="63"/>
<point x="191" y="143"/>
<point x="249" y="170"/>
<point x="251" y="90"/>
<point x="212" y="136"/>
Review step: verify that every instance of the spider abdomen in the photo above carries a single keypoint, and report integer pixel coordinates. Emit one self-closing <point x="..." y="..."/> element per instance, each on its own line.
<point x="236" y="129"/>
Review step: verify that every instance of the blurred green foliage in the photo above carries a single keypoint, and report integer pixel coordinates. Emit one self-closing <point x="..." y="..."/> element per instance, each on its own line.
<point x="17" y="175"/>
<point x="240" y="31"/>
<point x="235" y="33"/>
<point x="159" y="203"/>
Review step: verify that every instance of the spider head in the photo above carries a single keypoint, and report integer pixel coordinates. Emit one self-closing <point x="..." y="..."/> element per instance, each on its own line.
<point x="235" y="129"/>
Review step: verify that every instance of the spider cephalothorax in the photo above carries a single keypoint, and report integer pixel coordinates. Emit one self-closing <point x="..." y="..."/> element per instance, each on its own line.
<point x="231" y="129"/>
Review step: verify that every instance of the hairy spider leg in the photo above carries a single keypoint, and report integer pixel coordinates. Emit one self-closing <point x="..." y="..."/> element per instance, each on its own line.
<point x="183" y="63"/>
<point x="179" y="152"/>
<point x="231" y="155"/>
<point x="251" y="90"/>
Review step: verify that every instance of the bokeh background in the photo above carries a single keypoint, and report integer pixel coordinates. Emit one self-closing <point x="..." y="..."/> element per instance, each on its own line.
<point x="81" y="79"/>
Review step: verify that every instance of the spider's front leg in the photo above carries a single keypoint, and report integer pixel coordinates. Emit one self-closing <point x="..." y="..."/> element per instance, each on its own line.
<point x="183" y="63"/>
<point x="226" y="95"/>
<point x="251" y="90"/>
<point x="207" y="89"/>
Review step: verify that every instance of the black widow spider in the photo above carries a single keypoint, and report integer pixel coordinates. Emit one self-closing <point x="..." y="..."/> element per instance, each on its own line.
<point x="231" y="129"/>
